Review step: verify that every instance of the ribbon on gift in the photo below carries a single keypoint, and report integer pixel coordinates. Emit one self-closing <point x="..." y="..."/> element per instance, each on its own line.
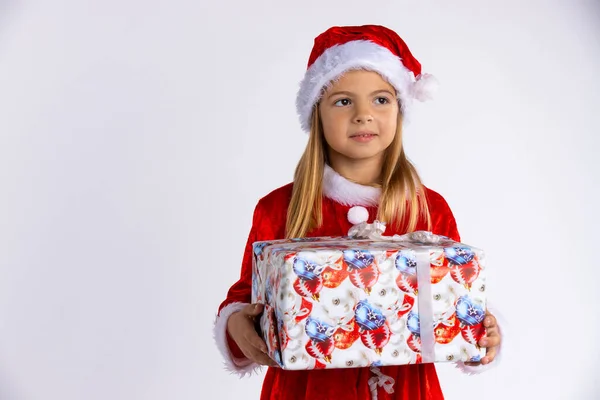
<point x="375" y="232"/>
<point x="343" y="325"/>
<point x="387" y="382"/>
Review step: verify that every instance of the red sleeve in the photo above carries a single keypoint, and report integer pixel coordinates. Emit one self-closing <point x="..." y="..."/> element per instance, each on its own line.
<point x="241" y="291"/>
<point x="442" y="218"/>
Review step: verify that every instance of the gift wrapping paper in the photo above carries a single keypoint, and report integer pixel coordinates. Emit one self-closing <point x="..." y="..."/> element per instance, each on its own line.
<point x="347" y="302"/>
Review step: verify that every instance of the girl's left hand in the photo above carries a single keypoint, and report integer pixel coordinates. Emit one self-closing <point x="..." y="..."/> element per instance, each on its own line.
<point x="490" y="341"/>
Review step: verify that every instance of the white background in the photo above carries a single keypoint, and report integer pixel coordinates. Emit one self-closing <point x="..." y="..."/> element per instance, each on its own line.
<point x="137" y="136"/>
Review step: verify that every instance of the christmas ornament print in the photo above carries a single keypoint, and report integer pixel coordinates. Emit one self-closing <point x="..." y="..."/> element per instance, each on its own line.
<point x="447" y="329"/>
<point x="306" y="270"/>
<point x="283" y="334"/>
<point x="468" y="312"/>
<point x="439" y="266"/>
<point x="345" y="303"/>
<point x="414" y="343"/>
<point x="414" y="339"/>
<point x="376" y="339"/>
<point x="345" y="336"/>
<point x="413" y="324"/>
<point x="406" y="264"/>
<point x="464" y="267"/>
<point x="318" y="331"/>
<point x="333" y="276"/>
<point x="473" y="333"/>
<point x="258" y="249"/>
<point x="368" y="317"/>
<point x="459" y="255"/>
<point x="310" y="288"/>
<point x="374" y="331"/>
<point x="320" y="344"/>
<point x="362" y="268"/>
<point x="320" y="350"/>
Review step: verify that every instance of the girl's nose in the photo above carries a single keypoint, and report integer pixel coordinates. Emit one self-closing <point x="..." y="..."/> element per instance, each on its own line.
<point x="363" y="117"/>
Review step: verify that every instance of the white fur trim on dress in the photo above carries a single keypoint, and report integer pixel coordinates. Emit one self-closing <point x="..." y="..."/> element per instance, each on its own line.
<point x="345" y="192"/>
<point x="358" y="54"/>
<point x="501" y="323"/>
<point x="240" y="366"/>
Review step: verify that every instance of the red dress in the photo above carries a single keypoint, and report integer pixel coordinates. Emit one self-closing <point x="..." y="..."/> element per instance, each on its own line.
<point x="415" y="381"/>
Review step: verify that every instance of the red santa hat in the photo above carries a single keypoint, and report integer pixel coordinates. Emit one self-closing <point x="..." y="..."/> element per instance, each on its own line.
<point x="369" y="47"/>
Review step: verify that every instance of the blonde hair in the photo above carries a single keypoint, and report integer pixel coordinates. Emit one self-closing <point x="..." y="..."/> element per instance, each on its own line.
<point x="402" y="193"/>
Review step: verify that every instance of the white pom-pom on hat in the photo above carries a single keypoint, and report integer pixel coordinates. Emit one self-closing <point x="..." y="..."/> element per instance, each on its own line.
<point x="358" y="215"/>
<point x="425" y="87"/>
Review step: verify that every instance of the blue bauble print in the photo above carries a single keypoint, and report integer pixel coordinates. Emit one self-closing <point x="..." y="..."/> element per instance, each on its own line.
<point x="358" y="259"/>
<point x="476" y="358"/>
<point x="258" y="248"/>
<point x="368" y="317"/>
<point x="413" y="323"/>
<point x="406" y="262"/>
<point x="468" y="312"/>
<point x="459" y="255"/>
<point x="305" y="269"/>
<point x="318" y="331"/>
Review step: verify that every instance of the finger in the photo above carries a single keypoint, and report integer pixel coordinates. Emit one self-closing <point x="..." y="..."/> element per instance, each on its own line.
<point x="489" y="321"/>
<point x="253" y="310"/>
<point x="490" y="341"/>
<point x="491" y="338"/>
<point x="489" y="357"/>
<point x="256" y="341"/>
<point x="263" y="359"/>
<point x="257" y="356"/>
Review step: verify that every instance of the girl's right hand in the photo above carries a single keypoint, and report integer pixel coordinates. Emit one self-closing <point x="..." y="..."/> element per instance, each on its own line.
<point x="241" y="328"/>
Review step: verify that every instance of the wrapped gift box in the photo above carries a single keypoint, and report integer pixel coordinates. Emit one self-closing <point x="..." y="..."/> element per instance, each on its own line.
<point x="354" y="302"/>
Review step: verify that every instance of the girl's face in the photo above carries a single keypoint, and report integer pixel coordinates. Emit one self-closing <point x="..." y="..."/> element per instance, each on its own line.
<point x="359" y="114"/>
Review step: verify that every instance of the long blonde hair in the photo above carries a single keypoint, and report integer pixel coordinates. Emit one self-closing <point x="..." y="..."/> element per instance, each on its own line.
<point x="402" y="193"/>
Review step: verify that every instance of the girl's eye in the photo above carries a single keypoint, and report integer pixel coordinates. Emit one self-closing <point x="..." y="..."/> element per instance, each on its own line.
<point x="382" y="100"/>
<point x="342" y="102"/>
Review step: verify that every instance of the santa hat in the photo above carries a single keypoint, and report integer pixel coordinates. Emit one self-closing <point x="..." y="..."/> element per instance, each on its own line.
<point x="370" y="47"/>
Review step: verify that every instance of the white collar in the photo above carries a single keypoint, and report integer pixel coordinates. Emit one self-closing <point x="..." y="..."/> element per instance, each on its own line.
<point x="345" y="192"/>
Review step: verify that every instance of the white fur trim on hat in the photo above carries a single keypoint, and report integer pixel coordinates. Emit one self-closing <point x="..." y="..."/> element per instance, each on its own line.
<point x="240" y="366"/>
<point x="345" y="192"/>
<point x="425" y="87"/>
<point x="358" y="54"/>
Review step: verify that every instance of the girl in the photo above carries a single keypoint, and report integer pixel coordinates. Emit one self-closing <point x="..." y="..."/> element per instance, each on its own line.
<point x="355" y="94"/>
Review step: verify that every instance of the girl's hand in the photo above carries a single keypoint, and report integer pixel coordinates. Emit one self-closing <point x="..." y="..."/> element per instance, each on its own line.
<point x="241" y="328"/>
<point x="491" y="340"/>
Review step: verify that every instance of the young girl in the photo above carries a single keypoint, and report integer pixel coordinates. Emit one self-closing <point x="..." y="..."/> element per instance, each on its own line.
<point x="356" y="92"/>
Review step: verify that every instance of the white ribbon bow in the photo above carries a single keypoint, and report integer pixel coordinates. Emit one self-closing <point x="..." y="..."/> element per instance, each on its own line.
<point x="387" y="382"/>
<point x="375" y="231"/>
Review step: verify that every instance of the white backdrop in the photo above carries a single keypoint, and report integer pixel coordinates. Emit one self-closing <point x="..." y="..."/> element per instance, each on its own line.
<point x="137" y="136"/>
